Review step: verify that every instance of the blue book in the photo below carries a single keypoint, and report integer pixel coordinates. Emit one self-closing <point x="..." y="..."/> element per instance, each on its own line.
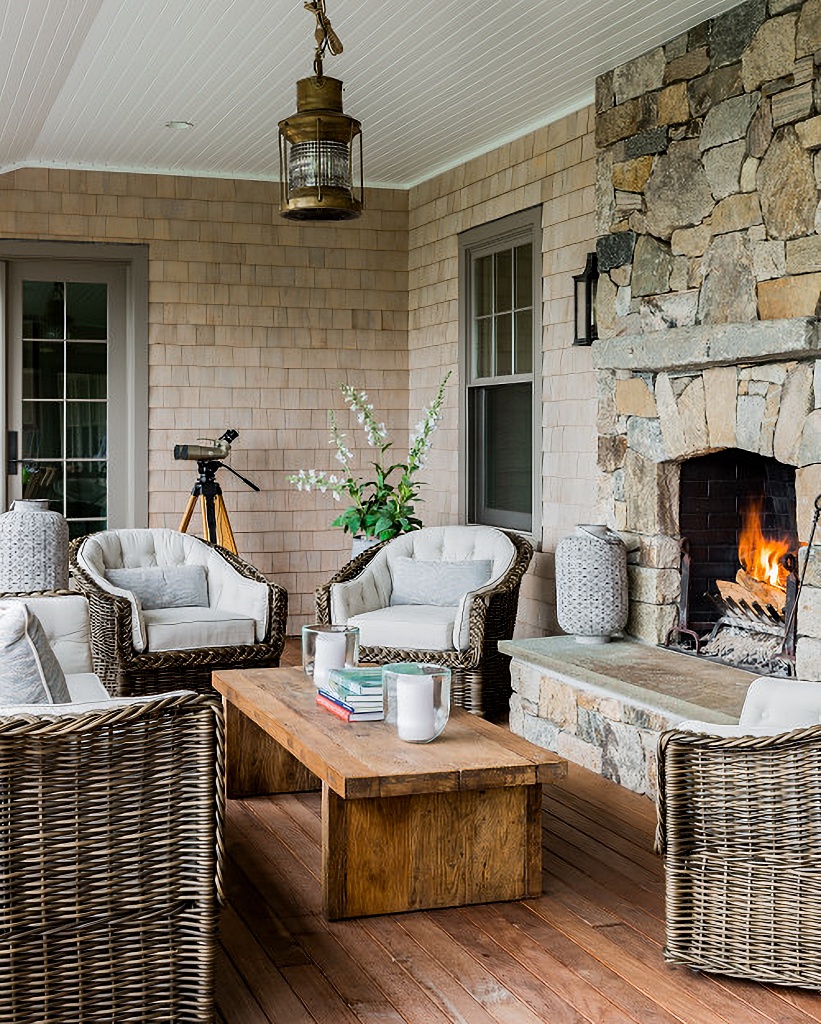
<point x="343" y="710"/>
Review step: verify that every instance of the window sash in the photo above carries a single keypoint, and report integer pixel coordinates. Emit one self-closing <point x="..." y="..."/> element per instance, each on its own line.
<point x="493" y="465"/>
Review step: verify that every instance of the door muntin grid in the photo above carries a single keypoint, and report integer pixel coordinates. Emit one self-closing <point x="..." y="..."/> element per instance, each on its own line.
<point x="65" y="399"/>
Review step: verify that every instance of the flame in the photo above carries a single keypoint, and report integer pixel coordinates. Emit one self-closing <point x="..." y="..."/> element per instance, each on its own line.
<point x="760" y="556"/>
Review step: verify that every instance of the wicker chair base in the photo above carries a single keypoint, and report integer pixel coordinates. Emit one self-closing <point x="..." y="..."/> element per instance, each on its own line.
<point x="110" y="840"/>
<point x="740" y="828"/>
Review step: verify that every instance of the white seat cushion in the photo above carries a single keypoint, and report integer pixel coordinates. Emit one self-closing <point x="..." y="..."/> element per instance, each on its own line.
<point x="184" y="629"/>
<point x="413" y="627"/>
<point x="64" y="618"/>
<point x="84" y="687"/>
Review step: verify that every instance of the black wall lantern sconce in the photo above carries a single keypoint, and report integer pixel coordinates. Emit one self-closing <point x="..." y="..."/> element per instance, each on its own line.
<point x="584" y="301"/>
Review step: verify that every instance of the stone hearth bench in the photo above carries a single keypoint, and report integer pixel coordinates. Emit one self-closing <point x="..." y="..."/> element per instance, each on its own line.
<point x="604" y="706"/>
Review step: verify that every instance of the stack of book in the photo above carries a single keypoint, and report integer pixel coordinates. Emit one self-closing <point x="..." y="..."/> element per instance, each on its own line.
<point x="353" y="694"/>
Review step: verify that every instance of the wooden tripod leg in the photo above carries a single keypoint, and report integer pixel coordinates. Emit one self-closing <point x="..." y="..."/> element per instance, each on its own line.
<point x="189" y="511"/>
<point x="225" y="535"/>
<point x="206" y="533"/>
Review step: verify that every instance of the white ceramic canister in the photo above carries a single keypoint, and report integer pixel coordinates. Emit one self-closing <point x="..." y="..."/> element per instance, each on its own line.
<point x="33" y="548"/>
<point x="591" y="584"/>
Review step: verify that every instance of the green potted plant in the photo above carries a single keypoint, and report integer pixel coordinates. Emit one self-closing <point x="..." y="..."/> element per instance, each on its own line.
<point x="382" y="506"/>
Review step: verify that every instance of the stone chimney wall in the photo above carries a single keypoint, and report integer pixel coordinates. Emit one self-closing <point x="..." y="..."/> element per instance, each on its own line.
<point x="708" y="174"/>
<point x="709" y="251"/>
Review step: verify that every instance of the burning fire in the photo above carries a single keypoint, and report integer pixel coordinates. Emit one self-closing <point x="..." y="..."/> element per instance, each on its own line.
<point x="759" y="555"/>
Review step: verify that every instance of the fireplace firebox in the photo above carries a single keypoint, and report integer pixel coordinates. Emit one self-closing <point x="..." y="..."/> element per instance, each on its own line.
<point x="739" y="543"/>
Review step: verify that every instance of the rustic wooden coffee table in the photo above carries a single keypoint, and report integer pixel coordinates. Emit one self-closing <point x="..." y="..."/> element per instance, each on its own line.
<point x="404" y="826"/>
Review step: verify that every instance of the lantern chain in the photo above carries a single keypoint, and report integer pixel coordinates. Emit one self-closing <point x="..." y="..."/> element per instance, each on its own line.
<point x="326" y="38"/>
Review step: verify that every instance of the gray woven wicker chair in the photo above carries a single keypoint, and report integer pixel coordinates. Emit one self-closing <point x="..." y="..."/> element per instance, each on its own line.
<point x="480" y="680"/>
<point x="740" y="828"/>
<point x="110" y="831"/>
<point x="128" y="666"/>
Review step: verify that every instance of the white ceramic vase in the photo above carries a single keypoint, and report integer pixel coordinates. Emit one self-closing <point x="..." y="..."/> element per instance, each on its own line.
<point x="33" y="548"/>
<point x="591" y="584"/>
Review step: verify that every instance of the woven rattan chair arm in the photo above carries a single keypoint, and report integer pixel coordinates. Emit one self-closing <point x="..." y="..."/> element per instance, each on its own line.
<point x="701" y="747"/>
<point x="37" y="593"/>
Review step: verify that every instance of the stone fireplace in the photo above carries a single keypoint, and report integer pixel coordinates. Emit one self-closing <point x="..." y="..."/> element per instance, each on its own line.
<point x="661" y="406"/>
<point x="709" y="252"/>
<point x="709" y="257"/>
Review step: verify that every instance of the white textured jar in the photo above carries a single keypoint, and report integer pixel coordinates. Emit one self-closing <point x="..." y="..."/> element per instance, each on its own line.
<point x="591" y="584"/>
<point x="33" y="548"/>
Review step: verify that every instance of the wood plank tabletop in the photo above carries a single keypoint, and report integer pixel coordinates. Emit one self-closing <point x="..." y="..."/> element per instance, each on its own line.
<point x="367" y="759"/>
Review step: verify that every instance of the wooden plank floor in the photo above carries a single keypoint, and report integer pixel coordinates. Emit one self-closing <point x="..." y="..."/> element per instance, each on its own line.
<point x="588" y="950"/>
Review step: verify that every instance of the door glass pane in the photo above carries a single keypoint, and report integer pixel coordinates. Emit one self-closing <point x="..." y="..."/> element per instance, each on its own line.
<point x="72" y="425"/>
<point x="87" y="369"/>
<point x="85" y="430"/>
<point x="484" y="347"/>
<point x="504" y="344"/>
<point x="85" y="490"/>
<point x="524" y="275"/>
<point x="483" y="286"/>
<point x="524" y="341"/>
<point x="42" y="430"/>
<point x="42" y="369"/>
<point x="504" y="280"/>
<point x="87" y="311"/>
<point x="508" y="447"/>
<point x="44" y="480"/>
<point x="43" y="309"/>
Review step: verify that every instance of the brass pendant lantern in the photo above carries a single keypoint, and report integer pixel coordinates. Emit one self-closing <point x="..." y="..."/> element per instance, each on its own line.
<point x="317" y="143"/>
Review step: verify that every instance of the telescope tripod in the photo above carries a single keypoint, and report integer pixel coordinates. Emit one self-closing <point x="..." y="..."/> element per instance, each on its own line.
<point x="216" y="527"/>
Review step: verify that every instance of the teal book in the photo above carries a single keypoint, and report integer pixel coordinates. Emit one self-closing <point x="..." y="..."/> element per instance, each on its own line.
<point x="356" y="680"/>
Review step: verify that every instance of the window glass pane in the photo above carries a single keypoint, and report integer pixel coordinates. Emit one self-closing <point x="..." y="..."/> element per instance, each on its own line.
<point x="524" y="275"/>
<point x="80" y="527"/>
<point x="87" y="311"/>
<point x="504" y="280"/>
<point x="484" y="347"/>
<point x="85" y="490"/>
<point x="42" y="430"/>
<point x="524" y="341"/>
<point x="504" y="344"/>
<point x="44" y="480"/>
<point x="42" y="369"/>
<point x="85" y="430"/>
<point x="508" y="445"/>
<point x="42" y="309"/>
<point x="86" y="367"/>
<point x="483" y="286"/>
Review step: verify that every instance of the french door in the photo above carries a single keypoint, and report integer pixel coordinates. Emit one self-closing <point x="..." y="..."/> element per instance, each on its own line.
<point x="67" y="389"/>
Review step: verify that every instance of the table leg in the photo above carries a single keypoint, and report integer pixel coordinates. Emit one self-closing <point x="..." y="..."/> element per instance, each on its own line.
<point x="255" y="763"/>
<point x="391" y="854"/>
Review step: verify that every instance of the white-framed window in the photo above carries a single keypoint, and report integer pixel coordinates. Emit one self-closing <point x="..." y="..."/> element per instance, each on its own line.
<point x="501" y="322"/>
<point x="74" y="374"/>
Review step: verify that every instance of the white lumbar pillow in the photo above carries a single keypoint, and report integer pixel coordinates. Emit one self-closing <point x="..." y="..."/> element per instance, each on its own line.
<point x="29" y="670"/>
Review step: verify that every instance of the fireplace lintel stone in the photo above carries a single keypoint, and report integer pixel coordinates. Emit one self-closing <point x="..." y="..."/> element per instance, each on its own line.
<point x="707" y="345"/>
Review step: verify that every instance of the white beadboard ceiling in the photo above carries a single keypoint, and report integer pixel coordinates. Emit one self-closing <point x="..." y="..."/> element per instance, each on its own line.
<point x="91" y="83"/>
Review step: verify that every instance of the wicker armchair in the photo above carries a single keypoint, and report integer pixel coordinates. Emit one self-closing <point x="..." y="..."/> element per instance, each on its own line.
<point x="110" y="839"/>
<point x="127" y="668"/>
<point x="480" y="680"/>
<point x="740" y="828"/>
